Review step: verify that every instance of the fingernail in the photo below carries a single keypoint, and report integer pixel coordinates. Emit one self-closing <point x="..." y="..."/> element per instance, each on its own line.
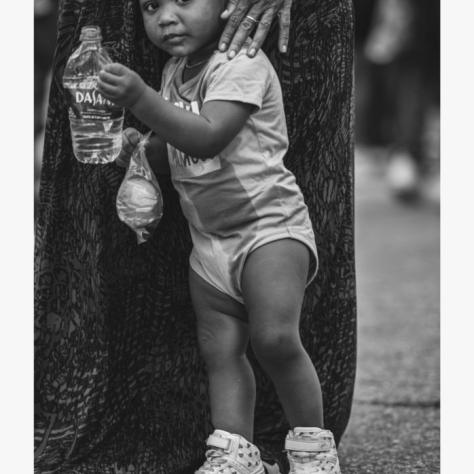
<point x="252" y="52"/>
<point x="231" y="54"/>
<point x="222" y="47"/>
<point x="284" y="49"/>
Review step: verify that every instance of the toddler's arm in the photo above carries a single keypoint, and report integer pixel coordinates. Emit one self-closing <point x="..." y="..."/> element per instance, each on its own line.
<point x="201" y="136"/>
<point x="157" y="155"/>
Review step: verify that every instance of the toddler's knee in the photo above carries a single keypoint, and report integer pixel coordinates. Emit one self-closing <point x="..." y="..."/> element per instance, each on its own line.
<point x="276" y="347"/>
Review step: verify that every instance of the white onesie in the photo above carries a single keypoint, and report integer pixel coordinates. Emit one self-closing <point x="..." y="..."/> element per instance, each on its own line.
<point x="244" y="197"/>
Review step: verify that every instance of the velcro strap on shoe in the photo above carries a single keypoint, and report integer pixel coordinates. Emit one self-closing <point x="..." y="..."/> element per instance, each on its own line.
<point x="218" y="442"/>
<point x="306" y="445"/>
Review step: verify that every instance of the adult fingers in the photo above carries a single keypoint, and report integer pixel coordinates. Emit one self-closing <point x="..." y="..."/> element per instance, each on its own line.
<point x="247" y="25"/>
<point x="284" y="21"/>
<point x="262" y="31"/>
<point x="229" y="9"/>
<point x="235" y="19"/>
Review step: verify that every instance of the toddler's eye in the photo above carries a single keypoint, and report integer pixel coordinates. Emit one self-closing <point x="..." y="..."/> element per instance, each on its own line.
<point x="182" y="2"/>
<point x="150" y="7"/>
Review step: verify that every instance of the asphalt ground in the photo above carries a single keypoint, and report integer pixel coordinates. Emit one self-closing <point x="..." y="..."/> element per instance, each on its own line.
<point x="395" y="421"/>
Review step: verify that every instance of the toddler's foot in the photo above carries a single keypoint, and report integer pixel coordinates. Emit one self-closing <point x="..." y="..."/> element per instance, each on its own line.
<point x="312" y="451"/>
<point x="231" y="454"/>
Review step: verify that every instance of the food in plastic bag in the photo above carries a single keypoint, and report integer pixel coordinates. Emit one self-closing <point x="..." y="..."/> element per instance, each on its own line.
<point x="139" y="199"/>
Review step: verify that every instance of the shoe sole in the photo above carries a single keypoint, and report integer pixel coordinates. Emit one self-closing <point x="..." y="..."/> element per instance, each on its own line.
<point x="337" y="471"/>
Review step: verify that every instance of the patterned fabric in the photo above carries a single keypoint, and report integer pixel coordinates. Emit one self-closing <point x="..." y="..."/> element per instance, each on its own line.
<point x="119" y="384"/>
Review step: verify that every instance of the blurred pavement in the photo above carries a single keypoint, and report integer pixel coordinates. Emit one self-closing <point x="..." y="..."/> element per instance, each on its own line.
<point x="394" y="427"/>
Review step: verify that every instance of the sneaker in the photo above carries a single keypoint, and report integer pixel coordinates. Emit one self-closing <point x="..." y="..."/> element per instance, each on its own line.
<point x="312" y="451"/>
<point x="231" y="454"/>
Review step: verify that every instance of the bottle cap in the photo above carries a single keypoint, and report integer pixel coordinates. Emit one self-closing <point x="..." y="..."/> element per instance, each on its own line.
<point x="90" y="33"/>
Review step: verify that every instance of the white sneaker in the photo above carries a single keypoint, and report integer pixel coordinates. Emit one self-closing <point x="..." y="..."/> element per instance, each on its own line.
<point x="231" y="454"/>
<point x="312" y="451"/>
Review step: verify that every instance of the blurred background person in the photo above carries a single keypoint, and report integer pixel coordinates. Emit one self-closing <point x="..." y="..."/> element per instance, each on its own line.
<point x="397" y="89"/>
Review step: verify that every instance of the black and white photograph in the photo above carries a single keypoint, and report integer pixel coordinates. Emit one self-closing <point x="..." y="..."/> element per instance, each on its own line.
<point x="233" y="238"/>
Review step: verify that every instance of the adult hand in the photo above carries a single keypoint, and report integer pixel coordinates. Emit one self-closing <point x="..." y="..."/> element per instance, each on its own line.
<point x="243" y="15"/>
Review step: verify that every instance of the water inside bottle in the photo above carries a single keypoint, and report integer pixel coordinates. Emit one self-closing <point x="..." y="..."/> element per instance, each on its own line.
<point x="98" y="141"/>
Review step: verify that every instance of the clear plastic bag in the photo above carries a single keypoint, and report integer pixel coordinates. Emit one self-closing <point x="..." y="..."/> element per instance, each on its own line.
<point x="139" y="199"/>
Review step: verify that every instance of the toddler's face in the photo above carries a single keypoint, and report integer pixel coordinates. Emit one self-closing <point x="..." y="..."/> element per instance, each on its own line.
<point x="182" y="27"/>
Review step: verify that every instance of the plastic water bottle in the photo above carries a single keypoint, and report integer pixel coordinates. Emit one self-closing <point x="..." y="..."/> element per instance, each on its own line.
<point x="96" y="123"/>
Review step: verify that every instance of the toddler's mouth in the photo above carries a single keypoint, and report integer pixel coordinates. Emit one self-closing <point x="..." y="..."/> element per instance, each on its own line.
<point x="173" y="37"/>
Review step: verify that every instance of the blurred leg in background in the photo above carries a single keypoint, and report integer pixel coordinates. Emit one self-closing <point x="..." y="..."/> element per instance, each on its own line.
<point x="364" y="76"/>
<point x="398" y="91"/>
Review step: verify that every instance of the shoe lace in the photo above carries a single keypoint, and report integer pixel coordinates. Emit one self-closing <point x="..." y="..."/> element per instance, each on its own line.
<point x="215" y="461"/>
<point x="307" y="462"/>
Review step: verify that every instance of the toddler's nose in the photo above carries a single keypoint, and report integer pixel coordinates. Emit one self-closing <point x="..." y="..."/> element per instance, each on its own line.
<point x="167" y="16"/>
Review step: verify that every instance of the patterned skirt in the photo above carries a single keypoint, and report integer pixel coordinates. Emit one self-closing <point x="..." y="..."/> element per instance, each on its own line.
<point x="119" y="383"/>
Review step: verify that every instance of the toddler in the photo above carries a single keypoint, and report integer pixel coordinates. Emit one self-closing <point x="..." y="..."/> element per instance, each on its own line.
<point x="219" y="126"/>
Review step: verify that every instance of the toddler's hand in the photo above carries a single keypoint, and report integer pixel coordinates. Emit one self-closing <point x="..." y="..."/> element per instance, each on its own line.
<point x="120" y="84"/>
<point x="130" y="139"/>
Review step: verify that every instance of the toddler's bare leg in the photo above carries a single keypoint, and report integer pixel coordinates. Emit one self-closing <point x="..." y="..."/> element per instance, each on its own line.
<point x="273" y="284"/>
<point x="223" y="340"/>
